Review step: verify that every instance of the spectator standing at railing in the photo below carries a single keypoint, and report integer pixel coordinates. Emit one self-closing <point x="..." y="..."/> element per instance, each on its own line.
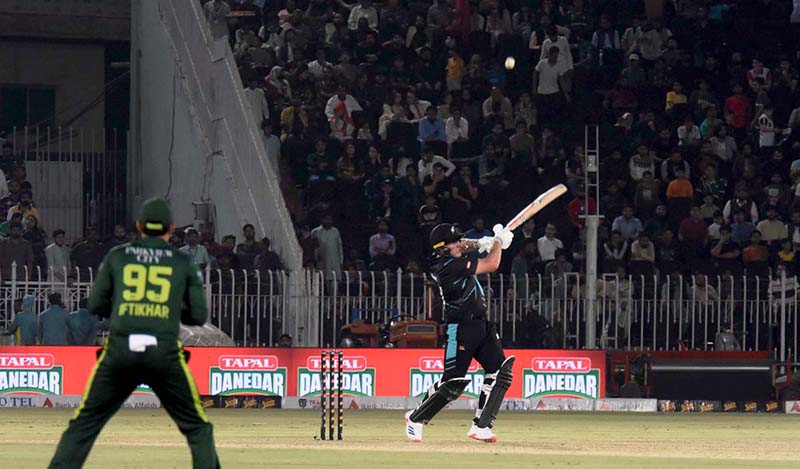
<point x="88" y="253"/>
<point x="247" y="250"/>
<point x="25" y="324"/>
<point x="57" y="256"/>
<point x="196" y="251"/>
<point x="267" y="260"/>
<point x="329" y="255"/>
<point x="53" y="322"/>
<point x="118" y="238"/>
<point x="81" y="326"/>
<point x="15" y="249"/>
<point x="38" y="239"/>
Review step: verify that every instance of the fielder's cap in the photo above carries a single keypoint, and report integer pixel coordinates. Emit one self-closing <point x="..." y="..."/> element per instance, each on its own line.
<point x="156" y="214"/>
<point x="444" y="233"/>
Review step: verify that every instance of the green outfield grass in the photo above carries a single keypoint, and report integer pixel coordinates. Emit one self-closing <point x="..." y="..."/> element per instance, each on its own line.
<point x="374" y="438"/>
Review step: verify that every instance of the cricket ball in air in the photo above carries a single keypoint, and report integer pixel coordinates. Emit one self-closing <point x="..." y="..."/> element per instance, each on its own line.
<point x="510" y="62"/>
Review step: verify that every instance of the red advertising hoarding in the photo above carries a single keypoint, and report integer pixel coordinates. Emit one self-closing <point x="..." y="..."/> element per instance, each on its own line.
<point x="295" y="372"/>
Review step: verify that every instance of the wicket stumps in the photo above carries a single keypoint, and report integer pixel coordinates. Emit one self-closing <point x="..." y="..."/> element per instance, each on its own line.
<point x="331" y="397"/>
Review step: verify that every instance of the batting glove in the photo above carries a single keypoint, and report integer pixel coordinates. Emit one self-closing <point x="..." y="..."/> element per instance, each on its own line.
<point x="485" y="244"/>
<point x="504" y="235"/>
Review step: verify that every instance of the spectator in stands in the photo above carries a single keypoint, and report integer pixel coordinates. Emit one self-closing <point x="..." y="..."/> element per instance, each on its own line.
<point x="615" y="250"/>
<point x="431" y="129"/>
<point x="641" y="163"/>
<point x="53" y="322"/>
<point x="195" y="250"/>
<point x="525" y="262"/>
<point x="658" y="223"/>
<point x="88" y="254"/>
<point x="772" y="230"/>
<point x="15" y="249"/>
<point x="627" y="225"/>
<point x="548" y="244"/>
<point x="560" y="266"/>
<point x="25" y="324"/>
<point x="756" y="255"/>
<point x="551" y="88"/>
<point x="668" y="255"/>
<point x="741" y="228"/>
<point x="382" y="248"/>
<point x="8" y="161"/>
<point x="58" y="258"/>
<point x="457" y="133"/>
<point x="497" y="106"/>
<point x="248" y="249"/>
<point x="741" y="202"/>
<point x="793" y="228"/>
<point x="25" y="206"/>
<point x="429" y="215"/>
<point x="426" y="164"/>
<point x="478" y="229"/>
<point x="737" y="111"/>
<point x="81" y="326"/>
<point x="118" y="238"/>
<point x="679" y="195"/>
<point x="267" y="260"/>
<point x="217" y="12"/>
<point x="642" y="250"/>
<point x="256" y="101"/>
<point x="714" y="225"/>
<point x="726" y="251"/>
<point x="330" y="256"/>
<point x="689" y="136"/>
<point x="343" y="101"/>
<point x="37" y="237"/>
<point x="693" y="234"/>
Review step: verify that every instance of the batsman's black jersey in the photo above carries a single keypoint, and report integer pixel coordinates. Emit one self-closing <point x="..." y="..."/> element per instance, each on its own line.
<point x="461" y="292"/>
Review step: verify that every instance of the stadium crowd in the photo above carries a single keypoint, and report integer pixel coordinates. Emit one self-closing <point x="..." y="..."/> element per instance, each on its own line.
<point x="390" y="117"/>
<point x="393" y="116"/>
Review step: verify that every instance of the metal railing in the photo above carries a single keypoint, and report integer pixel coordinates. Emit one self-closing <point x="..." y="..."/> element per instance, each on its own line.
<point x="531" y="311"/>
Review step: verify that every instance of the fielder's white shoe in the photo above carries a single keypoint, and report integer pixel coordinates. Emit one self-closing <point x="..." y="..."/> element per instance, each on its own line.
<point x="413" y="429"/>
<point x="482" y="434"/>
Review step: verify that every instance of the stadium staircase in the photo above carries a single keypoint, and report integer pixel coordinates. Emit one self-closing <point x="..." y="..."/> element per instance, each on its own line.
<point x="247" y="190"/>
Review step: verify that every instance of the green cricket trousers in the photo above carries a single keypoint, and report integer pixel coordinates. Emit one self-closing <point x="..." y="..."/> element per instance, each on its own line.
<point x="116" y="374"/>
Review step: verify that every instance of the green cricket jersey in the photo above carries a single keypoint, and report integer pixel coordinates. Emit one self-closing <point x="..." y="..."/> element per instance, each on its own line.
<point x="148" y="287"/>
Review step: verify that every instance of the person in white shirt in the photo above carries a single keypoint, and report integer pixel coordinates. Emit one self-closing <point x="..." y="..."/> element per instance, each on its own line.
<point x="689" y="134"/>
<point x="564" y="51"/>
<point x="428" y="160"/>
<point x="58" y="260"/>
<point x="364" y="9"/>
<point x="548" y="244"/>
<point x="197" y="251"/>
<point x="456" y="128"/>
<point x="549" y="82"/>
<point x="257" y="102"/>
<point x="315" y="67"/>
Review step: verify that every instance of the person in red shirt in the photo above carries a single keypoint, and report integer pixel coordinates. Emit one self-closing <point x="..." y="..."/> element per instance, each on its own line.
<point x="737" y="111"/>
<point x="577" y="208"/>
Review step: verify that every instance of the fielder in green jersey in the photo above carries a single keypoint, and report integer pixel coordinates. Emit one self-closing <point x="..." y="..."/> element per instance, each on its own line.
<point x="146" y="289"/>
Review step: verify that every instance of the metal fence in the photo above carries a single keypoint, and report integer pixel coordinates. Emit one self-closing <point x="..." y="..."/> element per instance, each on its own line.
<point x="78" y="176"/>
<point x="532" y="311"/>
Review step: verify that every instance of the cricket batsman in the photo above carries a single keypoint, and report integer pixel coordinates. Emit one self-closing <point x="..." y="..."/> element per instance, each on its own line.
<point x="146" y="289"/>
<point x="469" y="332"/>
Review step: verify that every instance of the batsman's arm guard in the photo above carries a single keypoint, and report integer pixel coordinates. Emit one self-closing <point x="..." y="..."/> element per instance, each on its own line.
<point x="496" y="395"/>
<point x="440" y="394"/>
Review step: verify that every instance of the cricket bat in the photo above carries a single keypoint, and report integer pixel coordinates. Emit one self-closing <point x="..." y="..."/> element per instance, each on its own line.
<point x="533" y="208"/>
